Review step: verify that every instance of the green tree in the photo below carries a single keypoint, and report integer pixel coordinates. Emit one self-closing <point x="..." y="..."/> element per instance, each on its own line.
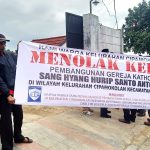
<point x="137" y="29"/>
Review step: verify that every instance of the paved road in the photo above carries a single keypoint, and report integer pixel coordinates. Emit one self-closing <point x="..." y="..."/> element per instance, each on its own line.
<point x="71" y="130"/>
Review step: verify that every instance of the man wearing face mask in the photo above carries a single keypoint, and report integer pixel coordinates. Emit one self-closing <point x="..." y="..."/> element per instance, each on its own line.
<point x="8" y="61"/>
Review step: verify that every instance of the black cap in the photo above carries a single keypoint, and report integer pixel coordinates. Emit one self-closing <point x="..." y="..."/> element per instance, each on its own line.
<point x="106" y="50"/>
<point x="3" y="38"/>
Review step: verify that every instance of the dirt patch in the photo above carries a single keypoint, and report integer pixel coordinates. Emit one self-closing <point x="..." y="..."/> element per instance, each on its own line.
<point x="47" y="110"/>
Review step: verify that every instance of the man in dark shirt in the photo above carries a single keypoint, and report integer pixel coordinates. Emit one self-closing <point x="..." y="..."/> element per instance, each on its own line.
<point x="8" y="61"/>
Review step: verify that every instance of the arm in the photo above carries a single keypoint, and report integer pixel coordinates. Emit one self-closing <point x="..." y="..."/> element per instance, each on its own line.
<point x="5" y="91"/>
<point x="14" y="55"/>
<point x="3" y="87"/>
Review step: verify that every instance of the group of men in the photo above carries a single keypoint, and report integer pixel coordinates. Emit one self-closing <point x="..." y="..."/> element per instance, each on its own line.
<point x="9" y="134"/>
<point x="129" y="114"/>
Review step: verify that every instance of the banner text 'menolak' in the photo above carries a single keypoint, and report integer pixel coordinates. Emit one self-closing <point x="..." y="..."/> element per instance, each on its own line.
<point x="62" y="59"/>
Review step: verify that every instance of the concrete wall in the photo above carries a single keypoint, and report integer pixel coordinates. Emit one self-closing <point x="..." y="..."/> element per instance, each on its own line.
<point x="98" y="37"/>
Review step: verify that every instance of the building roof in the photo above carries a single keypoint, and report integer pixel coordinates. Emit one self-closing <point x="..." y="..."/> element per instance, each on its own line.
<point x="58" y="41"/>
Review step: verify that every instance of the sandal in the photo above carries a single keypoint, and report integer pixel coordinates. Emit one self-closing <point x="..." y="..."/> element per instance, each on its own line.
<point x="24" y="140"/>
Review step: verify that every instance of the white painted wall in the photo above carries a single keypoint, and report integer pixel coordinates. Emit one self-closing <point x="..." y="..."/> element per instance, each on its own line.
<point x="98" y="37"/>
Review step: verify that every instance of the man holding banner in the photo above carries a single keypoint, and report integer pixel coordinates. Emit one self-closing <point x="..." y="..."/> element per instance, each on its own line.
<point x="8" y="62"/>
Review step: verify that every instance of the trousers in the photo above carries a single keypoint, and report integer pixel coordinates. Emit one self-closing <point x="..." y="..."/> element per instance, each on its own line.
<point x="129" y="114"/>
<point x="6" y="123"/>
<point x="103" y="111"/>
<point x="149" y="112"/>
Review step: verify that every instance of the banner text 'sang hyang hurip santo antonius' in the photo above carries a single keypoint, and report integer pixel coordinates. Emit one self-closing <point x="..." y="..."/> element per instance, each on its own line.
<point x="57" y="76"/>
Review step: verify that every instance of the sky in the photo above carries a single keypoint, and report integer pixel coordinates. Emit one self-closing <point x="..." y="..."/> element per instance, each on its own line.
<point x="35" y="19"/>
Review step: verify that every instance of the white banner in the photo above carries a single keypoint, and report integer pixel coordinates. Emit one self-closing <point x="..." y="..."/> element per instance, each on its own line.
<point x="56" y="76"/>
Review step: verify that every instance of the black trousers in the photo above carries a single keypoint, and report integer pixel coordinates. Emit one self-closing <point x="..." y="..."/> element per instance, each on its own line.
<point x="129" y="114"/>
<point x="6" y="120"/>
<point x="17" y="119"/>
<point x="149" y="112"/>
<point x="6" y="124"/>
<point x="141" y="111"/>
<point x="103" y="111"/>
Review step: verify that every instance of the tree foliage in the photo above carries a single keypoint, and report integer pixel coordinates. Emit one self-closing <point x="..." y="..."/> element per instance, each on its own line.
<point x="137" y="29"/>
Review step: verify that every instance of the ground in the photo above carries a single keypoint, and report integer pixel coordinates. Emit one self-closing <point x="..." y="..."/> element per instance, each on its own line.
<point x="66" y="128"/>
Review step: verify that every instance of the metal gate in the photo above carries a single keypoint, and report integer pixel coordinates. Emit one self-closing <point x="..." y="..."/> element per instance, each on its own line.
<point x="74" y="31"/>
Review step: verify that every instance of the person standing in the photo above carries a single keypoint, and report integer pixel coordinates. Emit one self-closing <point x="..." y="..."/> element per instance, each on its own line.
<point x="129" y="116"/>
<point x="8" y="61"/>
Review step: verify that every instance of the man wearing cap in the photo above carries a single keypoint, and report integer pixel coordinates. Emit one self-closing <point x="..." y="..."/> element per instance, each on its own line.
<point x="8" y="61"/>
